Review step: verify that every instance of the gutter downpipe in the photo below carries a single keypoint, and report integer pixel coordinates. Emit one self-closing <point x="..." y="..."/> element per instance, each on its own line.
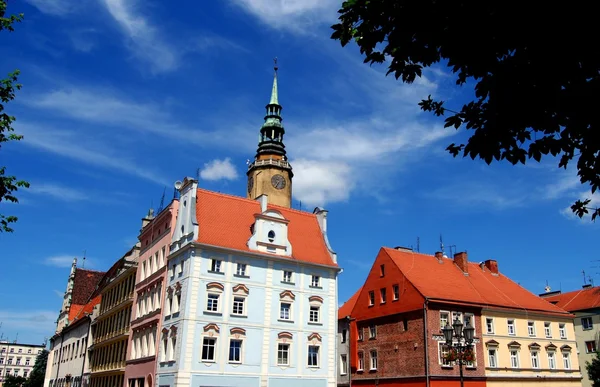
<point x="426" y="341"/>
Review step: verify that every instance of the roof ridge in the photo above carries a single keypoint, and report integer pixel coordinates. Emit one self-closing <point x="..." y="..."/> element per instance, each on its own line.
<point x="89" y="270"/>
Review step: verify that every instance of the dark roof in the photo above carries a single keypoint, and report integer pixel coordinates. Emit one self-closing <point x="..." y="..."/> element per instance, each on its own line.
<point x="84" y="285"/>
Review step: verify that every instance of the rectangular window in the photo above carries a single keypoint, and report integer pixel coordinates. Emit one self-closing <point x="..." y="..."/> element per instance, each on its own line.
<point x="213" y="303"/>
<point x="511" y="327"/>
<point x="25" y="372"/>
<point x="360" y="334"/>
<point x="27" y="361"/>
<point x="382" y="270"/>
<point x="443" y="351"/>
<point x="343" y="364"/>
<point x="383" y="295"/>
<point x="535" y="361"/>
<point x="489" y="325"/>
<point x="315" y="281"/>
<point x="372" y="331"/>
<point x="287" y="276"/>
<point x="531" y="328"/>
<point x="547" y="330"/>
<point x="396" y="291"/>
<point x="238" y="305"/>
<point x="284" y="311"/>
<point x="1" y="360"/>
<point x="208" y="349"/>
<point x="361" y="361"/>
<point x="586" y="323"/>
<point x="373" y="360"/>
<point x="314" y="314"/>
<point x="455" y="316"/>
<point x="235" y="351"/>
<point x="240" y="269"/>
<point x="283" y="354"/>
<point x="492" y="358"/>
<point x="344" y="333"/>
<point x="562" y="331"/>
<point x="443" y="319"/>
<point x="19" y="361"/>
<point x="566" y="360"/>
<point x="551" y="360"/>
<point x="514" y="358"/>
<point x="590" y="346"/>
<point x="470" y="318"/>
<point x="371" y="298"/>
<point x="215" y="265"/>
<point x="313" y="356"/>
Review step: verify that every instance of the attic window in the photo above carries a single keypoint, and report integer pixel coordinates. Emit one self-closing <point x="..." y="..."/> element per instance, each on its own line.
<point x="271" y="236"/>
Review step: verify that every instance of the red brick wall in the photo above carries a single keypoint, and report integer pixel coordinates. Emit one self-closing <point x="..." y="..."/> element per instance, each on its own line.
<point x="408" y="359"/>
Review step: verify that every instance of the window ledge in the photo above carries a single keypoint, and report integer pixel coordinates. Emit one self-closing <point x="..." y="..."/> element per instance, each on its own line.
<point x="315" y="287"/>
<point x="238" y="315"/>
<point x="447" y="367"/>
<point x="288" y="283"/>
<point x="213" y="313"/>
<point x="216" y="272"/>
<point x="285" y="321"/>
<point x="314" y="323"/>
<point x="361" y="371"/>
<point x="208" y="361"/>
<point x="241" y="276"/>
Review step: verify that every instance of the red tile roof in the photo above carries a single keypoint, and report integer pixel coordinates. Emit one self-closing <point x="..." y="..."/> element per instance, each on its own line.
<point x="346" y="309"/>
<point x="446" y="282"/>
<point x="587" y="298"/>
<point x="84" y="284"/>
<point x="225" y="220"/>
<point x="79" y="311"/>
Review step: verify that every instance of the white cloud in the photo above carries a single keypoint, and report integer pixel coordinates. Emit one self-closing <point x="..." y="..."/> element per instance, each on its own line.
<point x="59" y="260"/>
<point x="296" y="15"/>
<point x="143" y="39"/>
<point x="586" y="219"/>
<point x="219" y="170"/>
<point x="28" y="324"/>
<point x="561" y="186"/>
<point x="316" y="182"/>
<point x="57" y="191"/>
<point x="479" y="196"/>
<point x="53" y="7"/>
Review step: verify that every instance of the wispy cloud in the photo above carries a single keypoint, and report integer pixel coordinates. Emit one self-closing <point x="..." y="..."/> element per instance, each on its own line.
<point x="143" y="39"/>
<point x="594" y="203"/>
<point x="28" y="324"/>
<point x="54" y="7"/>
<point x="59" y="260"/>
<point x="58" y="191"/>
<point x="59" y="294"/>
<point x="478" y="196"/>
<point x="219" y="170"/>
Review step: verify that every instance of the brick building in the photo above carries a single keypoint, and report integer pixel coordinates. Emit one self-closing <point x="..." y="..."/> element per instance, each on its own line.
<point x="396" y="321"/>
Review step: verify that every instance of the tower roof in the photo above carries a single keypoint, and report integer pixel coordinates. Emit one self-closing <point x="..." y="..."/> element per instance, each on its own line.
<point x="274" y="95"/>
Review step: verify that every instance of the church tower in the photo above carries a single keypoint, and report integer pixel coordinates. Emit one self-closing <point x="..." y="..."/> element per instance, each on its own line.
<point x="270" y="173"/>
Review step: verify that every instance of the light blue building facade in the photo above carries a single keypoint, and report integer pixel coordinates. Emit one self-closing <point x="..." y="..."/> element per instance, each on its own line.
<point x="251" y="294"/>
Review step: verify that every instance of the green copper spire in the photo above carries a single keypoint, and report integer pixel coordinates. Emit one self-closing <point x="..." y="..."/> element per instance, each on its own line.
<point x="274" y="97"/>
<point x="272" y="131"/>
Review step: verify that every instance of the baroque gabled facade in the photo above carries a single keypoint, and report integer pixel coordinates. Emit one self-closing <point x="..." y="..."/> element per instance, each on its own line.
<point x="251" y="296"/>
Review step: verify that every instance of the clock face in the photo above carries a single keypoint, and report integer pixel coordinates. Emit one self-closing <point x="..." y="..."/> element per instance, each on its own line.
<point x="250" y="183"/>
<point x="278" y="181"/>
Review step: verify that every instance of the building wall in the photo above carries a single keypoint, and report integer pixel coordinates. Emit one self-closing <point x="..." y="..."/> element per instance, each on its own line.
<point x="343" y="352"/>
<point x="149" y="296"/>
<point x="504" y="373"/>
<point x="261" y="185"/>
<point x="587" y="340"/>
<point x="68" y="355"/>
<point x="261" y="325"/>
<point x="13" y="353"/>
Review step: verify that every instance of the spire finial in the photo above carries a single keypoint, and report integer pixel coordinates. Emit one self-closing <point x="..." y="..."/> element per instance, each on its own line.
<point x="274" y="96"/>
<point x="275" y="66"/>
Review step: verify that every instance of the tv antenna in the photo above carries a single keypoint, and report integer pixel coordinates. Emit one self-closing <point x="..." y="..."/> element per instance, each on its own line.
<point x="83" y="263"/>
<point x="418" y="245"/>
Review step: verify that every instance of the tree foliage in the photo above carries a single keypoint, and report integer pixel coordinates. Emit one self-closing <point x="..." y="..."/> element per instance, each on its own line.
<point x="36" y="378"/>
<point x="14" y="381"/>
<point x="8" y="184"/>
<point x="535" y="81"/>
<point x="593" y="370"/>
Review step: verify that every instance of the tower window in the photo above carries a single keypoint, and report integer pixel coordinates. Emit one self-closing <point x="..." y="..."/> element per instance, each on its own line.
<point x="271" y="236"/>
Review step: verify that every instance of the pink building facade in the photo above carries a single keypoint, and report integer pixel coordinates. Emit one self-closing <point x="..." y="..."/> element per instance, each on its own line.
<point x="155" y="238"/>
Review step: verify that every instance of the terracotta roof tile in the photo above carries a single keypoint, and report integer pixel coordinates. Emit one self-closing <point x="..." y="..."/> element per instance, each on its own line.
<point x="445" y="281"/>
<point x="582" y="299"/>
<point x="225" y="220"/>
<point x="84" y="284"/>
<point x="346" y="309"/>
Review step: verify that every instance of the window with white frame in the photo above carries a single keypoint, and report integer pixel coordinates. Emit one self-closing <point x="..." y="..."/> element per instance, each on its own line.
<point x="511" y="327"/>
<point x="240" y="294"/>
<point x="586" y="323"/>
<point x="551" y="360"/>
<point x="396" y="291"/>
<point x="360" y="334"/>
<point x="283" y="354"/>
<point x="315" y="281"/>
<point x="371" y="298"/>
<point x="531" y="328"/>
<point x="566" y="360"/>
<point x="457" y="315"/>
<point x="372" y="331"/>
<point x="172" y="344"/>
<point x="343" y="364"/>
<point x="286" y="299"/>
<point x="562" y="331"/>
<point x="373" y="359"/>
<point x="215" y="265"/>
<point x="164" y="353"/>
<point x="492" y="358"/>
<point x="241" y="269"/>
<point x="143" y="272"/>
<point x="361" y="361"/>
<point x="209" y="349"/>
<point x="514" y="358"/>
<point x="443" y="351"/>
<point x="314" y="314"/>
<point x="489" y="325"/>
<point x="214" y="291"/>
<point x="235" y="351"/>
<point x="590" y="346"/>
<point x="548" y="330"/>
<point x="313" y="356"/>
<point x="180" y="268"/>
<point x="287" y="276"/>
<point x="443" y="319"/>
<point x="238" y="305"/>
<point x="535" y="360"/>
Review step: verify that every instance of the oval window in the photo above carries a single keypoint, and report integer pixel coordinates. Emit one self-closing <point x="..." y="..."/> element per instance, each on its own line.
<point x="271" y="236"/>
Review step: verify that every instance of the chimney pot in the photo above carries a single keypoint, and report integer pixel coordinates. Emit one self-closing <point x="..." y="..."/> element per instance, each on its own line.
<point x="439" y="255"/>
<point x="492" y="266"/>
<point x="461" y="260"/>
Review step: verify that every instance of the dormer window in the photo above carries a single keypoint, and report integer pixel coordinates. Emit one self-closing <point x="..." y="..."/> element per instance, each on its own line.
<point x="271" y="236"/>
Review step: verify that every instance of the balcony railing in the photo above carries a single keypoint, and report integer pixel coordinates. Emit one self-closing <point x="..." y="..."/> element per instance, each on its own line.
<point x="279" y="163"/>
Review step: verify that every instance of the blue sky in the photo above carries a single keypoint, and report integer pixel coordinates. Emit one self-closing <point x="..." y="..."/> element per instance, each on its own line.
<point x="121" y="98"/>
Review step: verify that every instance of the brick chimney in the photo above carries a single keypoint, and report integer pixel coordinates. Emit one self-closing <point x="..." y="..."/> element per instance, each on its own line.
<point x="461" y="260"/>
<point x="439" y="255"/>
<point x="492" y="266"/>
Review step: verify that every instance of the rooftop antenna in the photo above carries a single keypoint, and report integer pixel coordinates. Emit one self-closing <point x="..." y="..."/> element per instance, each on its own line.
<point x="452" y="250"/>
<point x="418" y="245"/>
<point x="198" y="174"/>
<point x="584" y="281"/>
<point x="162" y="201"/>
<point x="83" y="263"/>
<point x="16" y="338"/>
<point x="441" y="245"/>
<point x="590" y="280"/>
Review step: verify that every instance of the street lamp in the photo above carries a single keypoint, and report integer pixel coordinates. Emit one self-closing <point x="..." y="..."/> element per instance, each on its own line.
<point x="463" y="337"/>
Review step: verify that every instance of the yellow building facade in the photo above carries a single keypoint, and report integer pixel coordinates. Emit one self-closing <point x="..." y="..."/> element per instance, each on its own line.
<point x="110" y="329"/>
<point x="525" y="348"/>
